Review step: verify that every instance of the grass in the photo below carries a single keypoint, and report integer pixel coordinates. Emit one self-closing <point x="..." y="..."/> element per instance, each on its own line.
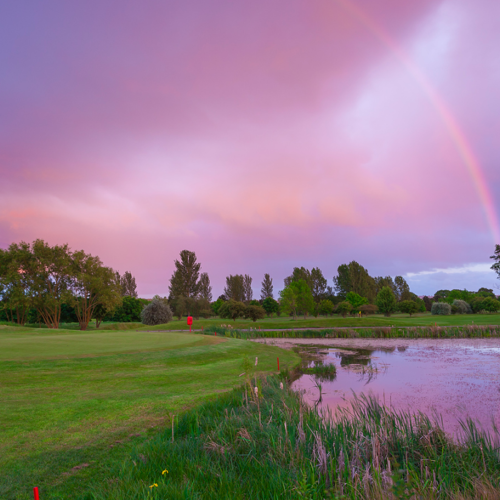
<point x="285" y="322"/>
<point x="434" y="332"/>
<point x="74" y="404"/>
<point x="274" y="446"/>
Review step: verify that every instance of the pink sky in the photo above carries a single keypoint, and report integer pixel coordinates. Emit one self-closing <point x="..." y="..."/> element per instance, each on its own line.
<point x="261" y="135"/>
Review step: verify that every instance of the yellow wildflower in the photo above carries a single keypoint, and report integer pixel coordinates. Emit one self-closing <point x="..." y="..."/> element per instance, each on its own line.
<point x="164" y="472"/>
<point x="154" y="485"/>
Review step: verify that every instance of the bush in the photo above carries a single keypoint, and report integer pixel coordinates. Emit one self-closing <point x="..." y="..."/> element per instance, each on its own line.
<point x="441" y="308"/>
<point x="157" y="312"/>
<point x="490" y="305"/>
<point x="270" y="306"/>
<point x="462" y="306"/>
<point x="409" y="307"/>
<point x="325" y="307"/>
<point x="232" y="309"/>
<point x="343" y="308"/>
<point x="254" y="312"/>
<point x="368" y="309"/>
<point x="386" y="301"/>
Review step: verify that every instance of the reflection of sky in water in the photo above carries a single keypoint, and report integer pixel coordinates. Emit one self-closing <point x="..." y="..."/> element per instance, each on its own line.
<point x="456" y="382"/>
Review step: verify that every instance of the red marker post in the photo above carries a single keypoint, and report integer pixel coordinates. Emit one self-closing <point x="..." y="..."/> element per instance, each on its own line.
<point x="190" y="322"/>
<point x="278" y="363"/>
<point x="35" y="493"/>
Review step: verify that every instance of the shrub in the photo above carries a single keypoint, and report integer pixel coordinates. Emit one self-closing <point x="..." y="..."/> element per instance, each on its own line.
<point x="409" y="307"/>
<point x="157" y="312"/>
<point x="232" y="309"/>
<point x="462" y="306"/>
<point x="325" y="307"/>
<point x="386" y="301"/>
<point x="343" y="308"/>
<point x="356" y="301"/>
<point x="491" y="305"/>
<point x="254" y="312"/>
<point x="270" y="306"/>
<point x="441" y="308"/>
<point x="216" y="305"/>
<point x="368" y="309"/>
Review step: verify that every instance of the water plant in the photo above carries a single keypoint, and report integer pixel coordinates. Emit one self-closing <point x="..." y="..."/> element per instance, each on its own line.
<point x="272" y="445"/>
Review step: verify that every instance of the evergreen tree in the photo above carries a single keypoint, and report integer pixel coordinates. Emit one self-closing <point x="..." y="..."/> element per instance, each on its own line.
<point x="267" y="287"/>
<point x="235" y="288"/>
<point x="205" y="289"/>
<point x="247" y="288"/>
<point x="128" y="285"/>
<point x="184" y="280"/>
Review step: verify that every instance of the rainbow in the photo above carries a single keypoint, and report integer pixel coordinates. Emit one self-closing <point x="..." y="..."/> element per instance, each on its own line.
<point x="457" y="136"/>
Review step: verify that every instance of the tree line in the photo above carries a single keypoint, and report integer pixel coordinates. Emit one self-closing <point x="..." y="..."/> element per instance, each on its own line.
<point x="50" y="285"/>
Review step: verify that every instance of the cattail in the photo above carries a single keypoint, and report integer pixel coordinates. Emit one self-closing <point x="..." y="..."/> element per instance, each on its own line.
<point x="256" y="361"/>
<point x="256" y="389"/>
<point x="281" y="385"/>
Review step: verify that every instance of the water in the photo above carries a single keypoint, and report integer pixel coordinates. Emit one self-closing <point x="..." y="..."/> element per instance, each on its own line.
<point x="453" y="378"/>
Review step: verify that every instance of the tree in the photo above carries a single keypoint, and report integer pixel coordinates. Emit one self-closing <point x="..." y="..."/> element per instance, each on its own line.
<point x="288" y="300"/>
<point x="128" y="285"/>
<point x="368" y="309"/>
<point x="427" y="303"/>
<point x="343" y="308"/>
<point x="441" y="295"/>
<point x="490" y="305"/>
<point x="402" y="290"/>
<point x="205" y="289"/>
<point x="299" y="273"/>
<point x="305" y="301"/>
<point x="356" y="301"/>
<point x="14" y="289"/>
<point x="386" y="301"/>
<point x="216" y="305"/>
<point x="184" y="280"/>
<point x="496" y="258"/>
<point x="325" y="307"/>
<point x="408" y="307"/>
<point x="318" y="284"/>
<point x="247" y="288"/>
<point x="128" y="311"/>
<point x="254" y="312"/>
<point x="380" y="282"/>
<point x="92" y="284"/>
<point x="486" y="292"/>
<point x="270" y="306"/>
<point x="232" y="309"/>
<point x="179" y="306"/>
<point x="267" y="288"/>
<point x="157" y="312"/>
<point x="353" y="277"/>
<point x="235" y="288"/>
<point x="46" y="272"/>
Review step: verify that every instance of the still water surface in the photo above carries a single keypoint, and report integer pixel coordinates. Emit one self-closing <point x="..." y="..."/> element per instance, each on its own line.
<point x="453" y="378"/>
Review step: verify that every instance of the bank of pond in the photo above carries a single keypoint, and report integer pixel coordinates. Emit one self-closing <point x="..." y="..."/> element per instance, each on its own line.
<point x="265" y="441"/>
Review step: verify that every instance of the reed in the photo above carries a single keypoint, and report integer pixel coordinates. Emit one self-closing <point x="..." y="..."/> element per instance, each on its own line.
<point x="269" y="444"/>
<point x="414" y="332"/>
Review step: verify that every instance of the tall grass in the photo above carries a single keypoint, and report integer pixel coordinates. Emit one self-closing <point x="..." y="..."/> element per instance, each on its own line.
<point x="268" y="444"/>
<point x="414" y="332"/>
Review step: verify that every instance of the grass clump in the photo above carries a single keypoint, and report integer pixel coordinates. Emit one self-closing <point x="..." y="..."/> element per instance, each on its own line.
<point x="268" y="444"/>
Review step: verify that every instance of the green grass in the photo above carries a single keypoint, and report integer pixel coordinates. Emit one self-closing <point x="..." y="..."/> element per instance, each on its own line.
<point x="72" y="398"/>
<point x="376" y="320"/>
<point x="275" y="446"/>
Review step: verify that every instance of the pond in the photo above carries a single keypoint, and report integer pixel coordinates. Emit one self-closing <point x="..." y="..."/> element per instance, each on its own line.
<point x="455" y="379"/>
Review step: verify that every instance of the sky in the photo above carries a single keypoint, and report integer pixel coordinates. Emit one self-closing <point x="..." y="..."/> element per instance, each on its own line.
<point x="261" y="135"/>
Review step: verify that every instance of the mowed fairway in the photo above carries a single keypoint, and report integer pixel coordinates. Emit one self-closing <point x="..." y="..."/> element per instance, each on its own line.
<point x="72" y="405"/>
